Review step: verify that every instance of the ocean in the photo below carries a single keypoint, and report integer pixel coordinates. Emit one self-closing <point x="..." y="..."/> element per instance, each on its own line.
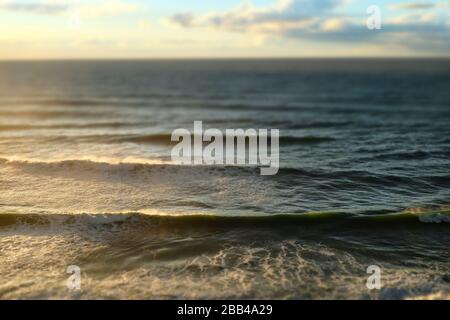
<point x="86" y="179"/>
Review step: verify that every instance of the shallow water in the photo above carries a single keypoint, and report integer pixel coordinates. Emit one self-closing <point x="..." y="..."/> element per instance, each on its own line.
<point x="86" y="179"/>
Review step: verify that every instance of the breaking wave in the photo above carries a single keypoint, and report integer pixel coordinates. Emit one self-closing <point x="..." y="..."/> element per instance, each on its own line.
<point x="151" y="219"/>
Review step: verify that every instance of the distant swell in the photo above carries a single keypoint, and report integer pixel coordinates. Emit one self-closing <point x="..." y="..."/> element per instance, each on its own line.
<point x="335" y="178"/>
<point x="166" y="139"/>
<point x="110" y="124"/>
<point x="305" y="140"/>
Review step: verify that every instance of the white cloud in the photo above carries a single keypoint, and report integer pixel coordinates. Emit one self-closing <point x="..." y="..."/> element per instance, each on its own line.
<point x="247" y="16"/>
<point x="36" y="8"/>
<point x="321" y="20"/>
<point x="412" y="6"/>
<point x="56" y="7"/>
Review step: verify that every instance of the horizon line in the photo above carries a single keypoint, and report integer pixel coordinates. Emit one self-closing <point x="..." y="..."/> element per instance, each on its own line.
<point x="228" y="58"/>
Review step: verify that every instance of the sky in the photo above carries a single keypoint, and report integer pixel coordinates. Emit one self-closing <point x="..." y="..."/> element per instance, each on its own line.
<point x="79" y="29"/>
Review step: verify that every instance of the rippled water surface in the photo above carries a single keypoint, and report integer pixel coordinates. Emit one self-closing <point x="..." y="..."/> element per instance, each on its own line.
<point x="86" y="179"/>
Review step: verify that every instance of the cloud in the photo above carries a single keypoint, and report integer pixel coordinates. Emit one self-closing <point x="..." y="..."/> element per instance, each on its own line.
<point x="183" y="19"/>
<point x="322" y="20"/>
<point x="36" y="8"/>
<point x="55" y="7"/>
<point x="247" y="16"/>
<point x="412" y="6"/>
